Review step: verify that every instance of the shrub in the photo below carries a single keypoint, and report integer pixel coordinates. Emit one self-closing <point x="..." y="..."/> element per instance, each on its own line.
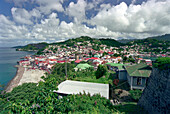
<point x="135" y="94"/>
<point x="101" y="71"/>
<point x="162" y="63"/>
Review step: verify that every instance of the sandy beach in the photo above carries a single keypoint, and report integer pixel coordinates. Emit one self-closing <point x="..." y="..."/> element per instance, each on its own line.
<point x="24" y="75"/>
<point x="15" y="81"/>
<point x="31" y="75"/>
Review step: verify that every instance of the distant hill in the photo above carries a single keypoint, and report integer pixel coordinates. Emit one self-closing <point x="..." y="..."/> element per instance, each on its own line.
<point x="111" y="42"/>
<point x="18" y="46"/>
<point x="108" y="41"/>
<point x="152" y="43"/>
<point x="72" y="42"/>
<point x="124" y="41"/>
<point x="31" y="47"/>
<point x="165" y="37"/>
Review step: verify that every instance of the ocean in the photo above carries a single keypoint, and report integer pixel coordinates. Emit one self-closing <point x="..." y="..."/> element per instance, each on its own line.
<point x="8" y="59"/>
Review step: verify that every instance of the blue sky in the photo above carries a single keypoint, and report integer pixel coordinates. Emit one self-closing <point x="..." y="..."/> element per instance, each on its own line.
<point x="32" y="21"/>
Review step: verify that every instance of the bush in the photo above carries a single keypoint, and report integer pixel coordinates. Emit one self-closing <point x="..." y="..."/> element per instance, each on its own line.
<point x="162" y="63"/>
<point x="135" y="94"/>
<point x="101" y="71"/>
<point x="23" y="92"/>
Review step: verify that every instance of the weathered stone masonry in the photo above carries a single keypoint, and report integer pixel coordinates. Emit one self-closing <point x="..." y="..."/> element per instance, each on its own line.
<point x="156" y="96"/>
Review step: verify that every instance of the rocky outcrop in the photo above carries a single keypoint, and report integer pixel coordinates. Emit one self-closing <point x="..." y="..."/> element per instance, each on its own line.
<point x="156" y="96"/>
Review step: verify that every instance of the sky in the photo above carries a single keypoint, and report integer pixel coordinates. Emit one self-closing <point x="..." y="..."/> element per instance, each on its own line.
<point x="31" y="21"/>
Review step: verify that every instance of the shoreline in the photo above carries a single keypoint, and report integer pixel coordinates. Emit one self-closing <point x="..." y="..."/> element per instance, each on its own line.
<point x="23" y="75"/>
<point x="15" y="80"/>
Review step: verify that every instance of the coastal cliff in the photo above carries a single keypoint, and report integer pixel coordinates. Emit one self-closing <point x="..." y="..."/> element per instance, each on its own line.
<point x="156" y="96"/>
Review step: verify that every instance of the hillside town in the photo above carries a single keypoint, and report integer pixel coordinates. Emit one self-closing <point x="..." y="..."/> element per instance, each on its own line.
<point x="126" y="61"/>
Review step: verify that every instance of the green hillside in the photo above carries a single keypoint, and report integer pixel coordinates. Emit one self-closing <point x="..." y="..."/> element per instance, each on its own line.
<point x="71" y="42"/>
<point x="111" y="42"/>
<point x="165" y="37"/>
<point x="31" y="47"/>
<point x="152" y="43"/>
<point x="108" y="42"/>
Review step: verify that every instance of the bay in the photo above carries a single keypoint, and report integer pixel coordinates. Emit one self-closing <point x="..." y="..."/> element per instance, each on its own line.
<point x="8" y="59"/>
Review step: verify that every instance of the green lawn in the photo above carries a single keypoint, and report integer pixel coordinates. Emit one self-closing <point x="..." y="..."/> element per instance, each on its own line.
<point x="130" y="108"/>
<point x="92" y="78"/>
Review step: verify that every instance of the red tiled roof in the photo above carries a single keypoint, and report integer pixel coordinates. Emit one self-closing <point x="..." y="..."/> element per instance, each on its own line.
<point x="95" y="58"/>
<point x="78" y="61"/>
<point x="163" y="55"/>
<point x="61" y="61"/>
<point x="52" y="59"/>
<point x="110" y="52"/>
<point x="87" y="58"/>
<point x="42" y="61"/>
<point x="100" y="51"/>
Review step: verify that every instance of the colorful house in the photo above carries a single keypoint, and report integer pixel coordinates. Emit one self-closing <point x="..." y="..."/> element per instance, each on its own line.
<point x="119" y="69"/>
<point x="82" y="66"/>
<point x="138" y="75"/>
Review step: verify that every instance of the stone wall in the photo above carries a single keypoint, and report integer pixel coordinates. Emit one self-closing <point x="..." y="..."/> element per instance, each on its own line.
<point x="156" y="96"/>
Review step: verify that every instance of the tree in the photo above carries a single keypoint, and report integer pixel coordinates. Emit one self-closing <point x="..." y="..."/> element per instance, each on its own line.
<point x="162" y="63"/>
<point x="132" y="60"/>
<point x="135" y="94"/>
<point x="105" y="53"/>
<point x="116" y="55"/>
<point x="101" y="71"/>
<point x="125" y="59"/>
<point x="90" y="53"/>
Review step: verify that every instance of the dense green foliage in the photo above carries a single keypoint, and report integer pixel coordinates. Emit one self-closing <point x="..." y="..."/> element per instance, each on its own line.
<point x="111" y="42"/>
<point x="153" y="42"/>
<point x="101" y="71"/>
<point x="30" y="98"/>
<point x="84" y="104"/>
<point x="162" y="63"/>
<point x="130" y="108"/>
<point x="21" y="93"/>
<point x="128" y="59"/>
<point x="28" y="47"/>
<point x="151" y="45"/>
<point x="135" y="94"/>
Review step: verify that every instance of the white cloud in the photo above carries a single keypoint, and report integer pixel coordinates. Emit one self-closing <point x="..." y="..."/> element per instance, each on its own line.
<point x="10" y="31"/>
<point x="47" y="6"/>
<point x="138" y="21"/>
<point x="77" y="10"/>
<point x="21" y="16"/>
<point x="150" y="17"/>
<point x="20" y="3"/>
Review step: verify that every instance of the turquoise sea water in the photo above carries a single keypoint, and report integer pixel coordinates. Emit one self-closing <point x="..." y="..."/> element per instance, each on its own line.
<point x="8" y="59"/>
